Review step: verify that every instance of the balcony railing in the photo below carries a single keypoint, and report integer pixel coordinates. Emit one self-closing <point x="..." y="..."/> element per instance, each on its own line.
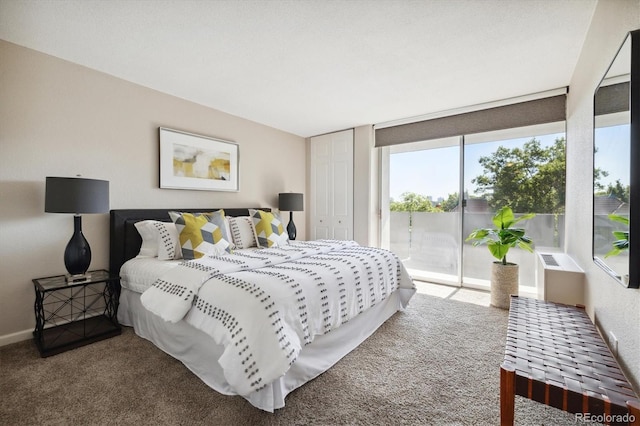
<point x="429" y="245"/>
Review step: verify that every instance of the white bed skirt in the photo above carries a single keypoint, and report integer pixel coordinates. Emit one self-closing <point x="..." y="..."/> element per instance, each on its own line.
<point x="199" y="353"/>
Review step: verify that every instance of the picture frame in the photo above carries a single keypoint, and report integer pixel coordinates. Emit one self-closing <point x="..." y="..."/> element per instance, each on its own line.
<point x="197" y="162"/>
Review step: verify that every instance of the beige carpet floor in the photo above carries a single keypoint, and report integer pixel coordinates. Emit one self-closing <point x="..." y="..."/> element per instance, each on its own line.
<point x="436" y="363"/>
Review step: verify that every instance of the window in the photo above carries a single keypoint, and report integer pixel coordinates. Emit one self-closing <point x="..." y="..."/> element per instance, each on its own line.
<point x="424" y="223"/>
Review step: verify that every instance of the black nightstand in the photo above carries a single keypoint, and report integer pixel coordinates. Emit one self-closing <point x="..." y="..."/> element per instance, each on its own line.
<point x="73" y="314"/>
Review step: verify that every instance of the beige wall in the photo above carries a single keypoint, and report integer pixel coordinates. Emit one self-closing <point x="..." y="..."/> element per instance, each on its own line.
<point x="61" y="119"/>
<point x="613" y="307"/>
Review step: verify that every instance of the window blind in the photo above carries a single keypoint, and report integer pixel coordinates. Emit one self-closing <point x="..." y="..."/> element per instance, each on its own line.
<point x="537" y="111"/>
<point x="612" y="99"/>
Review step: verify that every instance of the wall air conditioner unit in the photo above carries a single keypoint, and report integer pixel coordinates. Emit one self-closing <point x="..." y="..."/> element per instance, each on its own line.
<point x="559" y="279"/>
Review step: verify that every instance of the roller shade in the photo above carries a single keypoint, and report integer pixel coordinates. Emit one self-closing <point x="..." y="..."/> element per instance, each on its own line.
<point x="612" y="99"/>
<point x="538" y="111"/>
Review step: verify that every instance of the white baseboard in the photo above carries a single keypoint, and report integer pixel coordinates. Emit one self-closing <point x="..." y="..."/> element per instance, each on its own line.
<point x="19" y="336"/>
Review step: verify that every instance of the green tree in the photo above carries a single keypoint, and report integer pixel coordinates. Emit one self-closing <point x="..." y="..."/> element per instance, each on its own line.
<point x="598" y="174"/>
<point x="529" y="179"/>
<point x="411" y="202"/>
<point x="450" y="203"/>
<point x="619" y="191"/>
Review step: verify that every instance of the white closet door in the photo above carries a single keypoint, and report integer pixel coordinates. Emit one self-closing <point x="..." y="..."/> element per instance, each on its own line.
<point x="321" y="188"/>
<point x="332" y="186"/>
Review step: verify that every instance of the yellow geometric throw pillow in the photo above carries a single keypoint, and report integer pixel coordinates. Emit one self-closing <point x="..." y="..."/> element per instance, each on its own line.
<point x="201" y="233"/>
<point x="270" y="232"/>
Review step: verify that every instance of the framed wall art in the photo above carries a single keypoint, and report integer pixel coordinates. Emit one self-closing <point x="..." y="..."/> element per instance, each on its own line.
<point x="189" y="161"/>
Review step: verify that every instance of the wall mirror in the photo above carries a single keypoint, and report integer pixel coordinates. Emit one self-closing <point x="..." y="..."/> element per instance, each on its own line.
<point x="616" y="207"/>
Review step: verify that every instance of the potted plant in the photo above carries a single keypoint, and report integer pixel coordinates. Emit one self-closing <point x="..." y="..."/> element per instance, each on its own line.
<point x="622" y="242"/>
<point x="504" y="275"/>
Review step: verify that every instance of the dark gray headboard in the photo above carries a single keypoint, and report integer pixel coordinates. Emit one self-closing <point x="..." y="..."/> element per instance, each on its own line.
<point x="125" y="240"/>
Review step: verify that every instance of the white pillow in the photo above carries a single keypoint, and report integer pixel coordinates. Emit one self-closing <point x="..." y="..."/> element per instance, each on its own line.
<point x="227" y="228"/>
<point x="159" y="239"/>
<point x="149" y="247"/>
<point x="242" y="232"/>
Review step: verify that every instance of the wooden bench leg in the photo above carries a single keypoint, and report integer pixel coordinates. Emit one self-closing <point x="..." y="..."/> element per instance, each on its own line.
<point x="634" y="412"/>
<point x="507" y="395"/>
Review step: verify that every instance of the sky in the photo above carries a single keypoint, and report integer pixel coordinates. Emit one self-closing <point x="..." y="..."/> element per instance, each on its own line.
<point x="612" y="155"/>
<point x="435" y="172"/>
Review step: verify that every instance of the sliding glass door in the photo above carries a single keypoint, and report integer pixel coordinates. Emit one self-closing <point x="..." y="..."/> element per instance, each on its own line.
<point x="524" y="169"/>
<point x="425" y="223"/>
<point x="423" y="214"/>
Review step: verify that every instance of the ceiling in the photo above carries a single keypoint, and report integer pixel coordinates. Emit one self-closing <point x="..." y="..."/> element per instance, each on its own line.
<point x="312" y="67"/>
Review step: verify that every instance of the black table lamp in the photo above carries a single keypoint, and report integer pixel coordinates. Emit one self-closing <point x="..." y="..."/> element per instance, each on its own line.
<point x="76" y="195"/>
<point x="291" y="202"/>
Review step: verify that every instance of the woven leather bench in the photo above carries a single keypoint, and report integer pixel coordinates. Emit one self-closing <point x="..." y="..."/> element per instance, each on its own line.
<point x="555" y="355"/>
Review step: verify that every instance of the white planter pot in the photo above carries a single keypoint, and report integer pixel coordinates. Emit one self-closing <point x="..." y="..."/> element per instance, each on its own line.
<point x="504" y="283"/>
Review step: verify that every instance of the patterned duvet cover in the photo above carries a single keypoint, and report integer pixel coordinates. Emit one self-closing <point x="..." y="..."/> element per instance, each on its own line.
<point x="265" y="305"/>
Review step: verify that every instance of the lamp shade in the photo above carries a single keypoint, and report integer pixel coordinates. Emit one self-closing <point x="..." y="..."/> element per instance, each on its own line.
<point x="76" y="195"/>
<point x="290" y="202"/>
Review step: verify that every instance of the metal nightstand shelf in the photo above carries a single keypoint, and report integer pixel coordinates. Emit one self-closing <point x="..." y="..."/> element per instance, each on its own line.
<point x="69" y="315"/>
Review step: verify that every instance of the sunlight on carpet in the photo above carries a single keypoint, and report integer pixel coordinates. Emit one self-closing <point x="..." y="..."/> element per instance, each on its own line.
<point x="477" y="297"/>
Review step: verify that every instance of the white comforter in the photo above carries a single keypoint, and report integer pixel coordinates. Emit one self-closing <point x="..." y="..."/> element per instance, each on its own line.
<point x="264" y="306"/>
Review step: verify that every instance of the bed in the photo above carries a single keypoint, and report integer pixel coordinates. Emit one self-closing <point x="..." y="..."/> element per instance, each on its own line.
<point x="211" y="339"/>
